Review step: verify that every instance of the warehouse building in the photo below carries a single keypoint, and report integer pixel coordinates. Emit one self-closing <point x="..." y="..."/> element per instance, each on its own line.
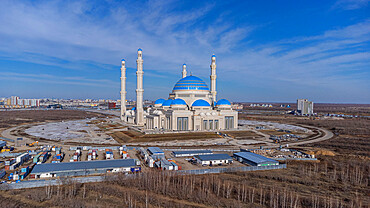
<point x="213" y="159"/>
<point x="190" y="153"/>
<point x="49" y="170"/>
<point x="156" y="153"/>
<point x="254" y="159"/>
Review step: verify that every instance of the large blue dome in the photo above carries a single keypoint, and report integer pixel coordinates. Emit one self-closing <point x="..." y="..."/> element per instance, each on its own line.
<point x="159" y="101"/>
<point x="223" y="102"/>
<point x="201" y="103"/>
<point x="178" y="101"/>
<point x="167" y="103"/>
<point x="190" y="83"/>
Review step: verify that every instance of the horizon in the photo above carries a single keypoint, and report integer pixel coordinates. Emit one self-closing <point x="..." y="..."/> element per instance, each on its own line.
<point x="264" y="102"/>
<point x="275" y="52"/>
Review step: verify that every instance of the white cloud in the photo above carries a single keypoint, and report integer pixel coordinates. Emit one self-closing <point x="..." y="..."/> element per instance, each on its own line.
<point x="70" y="35"/>
<point x="351" y="4"/>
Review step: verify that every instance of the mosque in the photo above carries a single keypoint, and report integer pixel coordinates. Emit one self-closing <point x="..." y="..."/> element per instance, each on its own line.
<point x="191" y="106"/>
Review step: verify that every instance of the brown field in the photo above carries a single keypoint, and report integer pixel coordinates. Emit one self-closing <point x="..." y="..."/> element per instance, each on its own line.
<point x="321" y="108"/>
<point x="18" y="117"/>
<point x="241" y="134"/>
<point x="339" y="180"/>
<point x="134" y="136"/>
<point x="272" y="132"/>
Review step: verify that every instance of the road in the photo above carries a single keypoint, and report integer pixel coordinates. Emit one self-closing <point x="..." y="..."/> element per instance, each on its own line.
<point x="328" y="135"/>
<point x="324" y="135"/>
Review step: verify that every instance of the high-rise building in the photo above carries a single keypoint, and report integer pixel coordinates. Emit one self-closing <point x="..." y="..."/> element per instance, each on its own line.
<point x="304" y="107"/>
<point x="14" y="100"/>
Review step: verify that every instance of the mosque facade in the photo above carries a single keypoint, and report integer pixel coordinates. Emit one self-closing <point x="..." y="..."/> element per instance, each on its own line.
<point x="191" y="106"/>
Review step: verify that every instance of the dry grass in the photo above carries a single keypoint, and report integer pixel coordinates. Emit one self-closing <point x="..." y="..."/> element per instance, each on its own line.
<point x="133" y="136"/>
<point x="241" y="134"/>
<point x="13" y="118"/>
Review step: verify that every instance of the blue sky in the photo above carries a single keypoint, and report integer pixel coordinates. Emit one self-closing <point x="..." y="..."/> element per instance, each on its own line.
<point x="274" y="51"/>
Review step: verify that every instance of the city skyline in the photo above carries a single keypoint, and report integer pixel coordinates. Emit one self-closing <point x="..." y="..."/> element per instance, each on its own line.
<point x="271" y="52"/>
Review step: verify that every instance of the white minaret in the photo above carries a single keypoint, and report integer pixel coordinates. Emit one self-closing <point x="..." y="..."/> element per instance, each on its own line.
<point x="183" y="70"/>
<point x="123" y="90"/>
<point x="139" y="117"/>
<point x="213" y="78"/>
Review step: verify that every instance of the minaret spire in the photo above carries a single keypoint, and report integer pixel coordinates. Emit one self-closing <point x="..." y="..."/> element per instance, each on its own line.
<point x="183" y="70"/>
<point x="139" y="117"/>
<point x="213" y="78"/>
<point x="123" y="89"/>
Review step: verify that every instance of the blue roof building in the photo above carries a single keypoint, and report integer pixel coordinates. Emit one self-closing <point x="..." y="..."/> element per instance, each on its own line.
<point x="213" y="159"/>
<point x="254" y="159"/>
<point x="47" y="170"/>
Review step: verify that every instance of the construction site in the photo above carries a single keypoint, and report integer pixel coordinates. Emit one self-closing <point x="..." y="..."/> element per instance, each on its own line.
<point x="96" y="147"/>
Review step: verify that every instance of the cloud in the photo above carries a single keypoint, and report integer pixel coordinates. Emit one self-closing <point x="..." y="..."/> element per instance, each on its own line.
<point x="47" y="78"/>
<point x="85" y="34"/>
<point x="350" y="4"/>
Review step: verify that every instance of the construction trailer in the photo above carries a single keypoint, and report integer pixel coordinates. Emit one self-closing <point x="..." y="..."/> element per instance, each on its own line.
<point x="2" y="173"/>
<point x="156" y="153"/>
<point x="191" y="153"/>
<point x="164" y="164"/>
<point x="213" y="159"/>
<point x="254" y="159"/>
<point x="49" y="170"/>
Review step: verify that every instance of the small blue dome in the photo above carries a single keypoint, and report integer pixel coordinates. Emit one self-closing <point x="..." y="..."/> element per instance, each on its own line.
<point x="213" y="55"/>
<point x="178" y="101"/>
<point x="190" y="83"/>
<point x="134" y="109"/>
<point x="201" y="103"/>
<point x="184" y="64"/>
<point x="139" y="49"/>
<point x="123" y="60"/>
<point x="223" y="102"/>
<point x="159" y="101"/>
<point x="167" y="103"/>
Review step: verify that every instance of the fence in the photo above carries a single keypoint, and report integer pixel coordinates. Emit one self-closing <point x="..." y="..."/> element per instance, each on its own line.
<point x="54" y="182"/>
<point x="213" y="150"/>
<point x="234" y="169"/>
<point x="305" y="159"/>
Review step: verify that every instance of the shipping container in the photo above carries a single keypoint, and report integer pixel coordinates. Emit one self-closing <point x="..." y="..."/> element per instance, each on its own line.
<point x="25" y="169"/>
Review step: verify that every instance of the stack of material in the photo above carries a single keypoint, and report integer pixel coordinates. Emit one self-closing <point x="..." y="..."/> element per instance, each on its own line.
<point x="91" y="155"/>
<point x="57" y="158"/>
<point x="24" y="172"/>
<point x="43" y="157"/>
<point x="76" y="156"/>
<point x="109" y="154"/>
<point x="175" y="164"/>
<point x="10" y="177"/>
<point x="124" y="154"/>
<point x="23" y="158"/>
<point x="36" y="157"/>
